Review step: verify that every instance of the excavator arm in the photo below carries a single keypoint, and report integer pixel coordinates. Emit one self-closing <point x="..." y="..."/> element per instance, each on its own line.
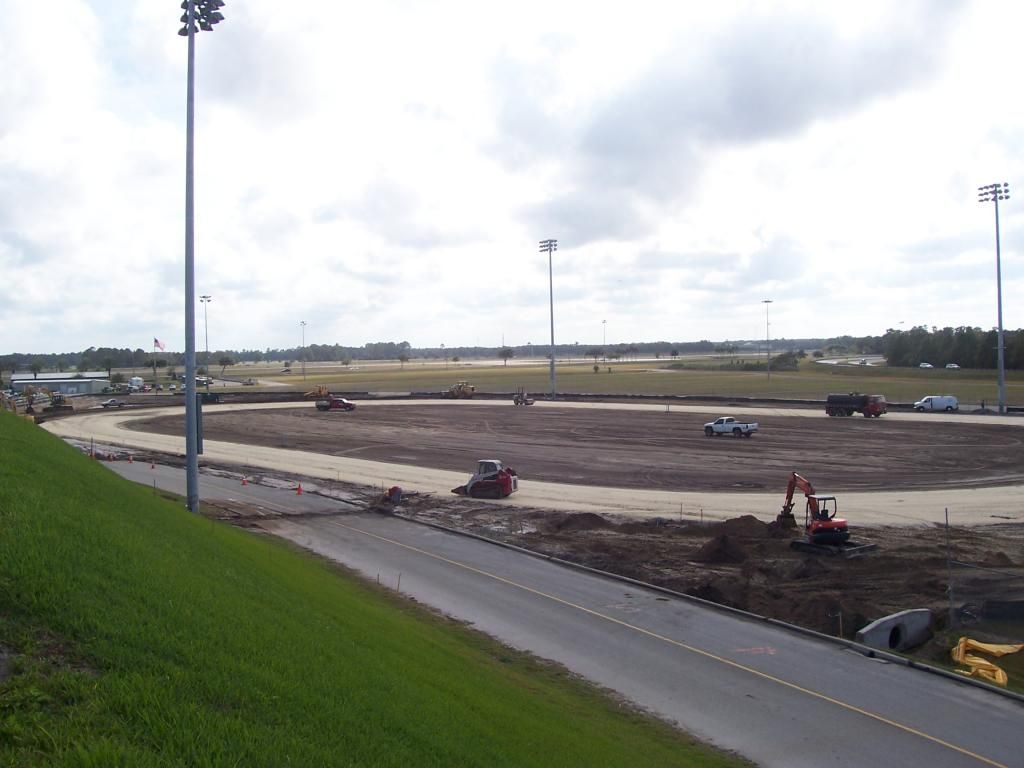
<point x="785" y="517"/>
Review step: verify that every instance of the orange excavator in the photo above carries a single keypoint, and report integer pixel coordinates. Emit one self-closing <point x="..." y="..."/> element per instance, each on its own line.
<point x="820" y="522"/>
<point x="824" y="532"/>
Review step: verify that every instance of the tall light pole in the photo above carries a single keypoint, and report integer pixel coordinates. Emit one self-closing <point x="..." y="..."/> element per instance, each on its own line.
<point x="604" y="334"/>
<point x="205" y="14"/>
<point x="206" y="299"/>
<point x="767" y="338"/>
<point x="550" y="246"/>
<point x="302" y="351"/>
<point x="993" y="193"/>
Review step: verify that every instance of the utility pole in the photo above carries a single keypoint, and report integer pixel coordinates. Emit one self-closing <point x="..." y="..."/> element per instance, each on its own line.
<point x="994" y="193"/>
<point x="550" y="246"/>
<point x="202" y="14"/>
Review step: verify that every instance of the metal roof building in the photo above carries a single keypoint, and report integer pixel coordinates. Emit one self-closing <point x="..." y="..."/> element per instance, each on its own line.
<point x="88" y="383"/>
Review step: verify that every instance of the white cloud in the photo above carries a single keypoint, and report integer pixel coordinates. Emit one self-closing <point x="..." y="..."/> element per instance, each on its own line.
<point x="385" y="171"/>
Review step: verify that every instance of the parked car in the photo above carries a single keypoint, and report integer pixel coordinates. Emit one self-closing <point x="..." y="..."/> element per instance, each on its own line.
<point x="953" y="366"/>
<point x="937" y="403"/>
<point x="925" y="365"/>
<point x="113" y="403"/>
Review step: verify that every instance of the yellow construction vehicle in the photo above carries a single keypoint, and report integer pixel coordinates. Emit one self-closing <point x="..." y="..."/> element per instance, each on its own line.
<point x="459" y="390"/>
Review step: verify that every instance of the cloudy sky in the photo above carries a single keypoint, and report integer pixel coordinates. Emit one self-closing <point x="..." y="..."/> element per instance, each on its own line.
<point x="385" y="170"/>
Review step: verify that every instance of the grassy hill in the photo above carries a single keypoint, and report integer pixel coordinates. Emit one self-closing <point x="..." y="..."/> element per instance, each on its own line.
<point x="133" y="633"/>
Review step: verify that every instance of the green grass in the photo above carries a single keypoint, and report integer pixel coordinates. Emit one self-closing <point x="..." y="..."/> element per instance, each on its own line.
<point x="812" y="381"/>
<point x="143" y="635"/>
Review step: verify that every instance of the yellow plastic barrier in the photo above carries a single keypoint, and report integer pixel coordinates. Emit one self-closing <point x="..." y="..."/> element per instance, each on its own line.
<point x="979" y="667"/>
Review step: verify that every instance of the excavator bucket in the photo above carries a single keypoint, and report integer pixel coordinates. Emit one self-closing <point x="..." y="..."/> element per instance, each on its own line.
<point x="786" y="518"/>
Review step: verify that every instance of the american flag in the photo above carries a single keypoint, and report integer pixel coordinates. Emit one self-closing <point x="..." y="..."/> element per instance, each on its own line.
<point x="157" y="343"/>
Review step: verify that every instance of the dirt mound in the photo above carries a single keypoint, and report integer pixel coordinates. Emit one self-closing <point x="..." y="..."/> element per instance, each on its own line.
<point x="582" y="521"/>
<point x="721" y="549"/>
<point x="746" y="526"/>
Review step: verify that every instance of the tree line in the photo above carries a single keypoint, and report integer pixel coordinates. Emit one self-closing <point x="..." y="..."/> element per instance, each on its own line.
<point x="965" y="346"/>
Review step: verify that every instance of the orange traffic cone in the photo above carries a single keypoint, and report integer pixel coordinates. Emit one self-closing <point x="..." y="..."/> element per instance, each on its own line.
<point x="245" y="480"/>
<point x="298" y="491"/>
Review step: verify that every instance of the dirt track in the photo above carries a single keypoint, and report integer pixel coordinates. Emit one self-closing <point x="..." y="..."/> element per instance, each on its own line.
<point x="641" y="449"/>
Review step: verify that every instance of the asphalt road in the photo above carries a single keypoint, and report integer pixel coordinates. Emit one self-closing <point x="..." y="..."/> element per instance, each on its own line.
<point x="966" y="505"/>
<point x="776" y="696"/>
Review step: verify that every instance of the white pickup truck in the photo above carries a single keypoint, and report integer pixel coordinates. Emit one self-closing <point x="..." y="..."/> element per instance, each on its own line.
<point x="727" y="425"/>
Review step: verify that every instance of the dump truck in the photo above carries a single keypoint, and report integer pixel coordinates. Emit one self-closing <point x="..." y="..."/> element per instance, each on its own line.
<point x="855" y="402"/>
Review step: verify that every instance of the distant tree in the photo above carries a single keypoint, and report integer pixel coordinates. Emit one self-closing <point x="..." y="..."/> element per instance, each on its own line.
<point x="403" y="359"/>
<point x="456" y="359"/>
<point x="818" y="353"/>
<point x="108" y="364"/>
<point x="117" y="378"/>
<point x="674" y="353"/>
<point x="346" y="361"/>
<point x="505" y="353"/>
<point x="36" y="367"/>
<point x="288" y="363"/>
<point x="224" y="361"/>
<point x="172" y="372"/>
<point x="596" y="367"/>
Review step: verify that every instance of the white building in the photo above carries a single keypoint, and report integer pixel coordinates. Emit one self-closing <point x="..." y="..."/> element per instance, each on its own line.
<point x="86" y="383"/>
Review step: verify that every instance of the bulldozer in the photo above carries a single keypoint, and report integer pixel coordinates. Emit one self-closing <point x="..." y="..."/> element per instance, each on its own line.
<point x="824" y="533"/>
<point x="459" y="390"/>
<point x="491" y="481"/>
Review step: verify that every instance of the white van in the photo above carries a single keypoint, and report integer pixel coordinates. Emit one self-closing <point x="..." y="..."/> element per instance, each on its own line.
<point x="937" y="403"/>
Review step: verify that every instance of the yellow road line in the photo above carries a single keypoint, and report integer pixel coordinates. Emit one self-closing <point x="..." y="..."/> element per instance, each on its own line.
<point x="684" y="646"/>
